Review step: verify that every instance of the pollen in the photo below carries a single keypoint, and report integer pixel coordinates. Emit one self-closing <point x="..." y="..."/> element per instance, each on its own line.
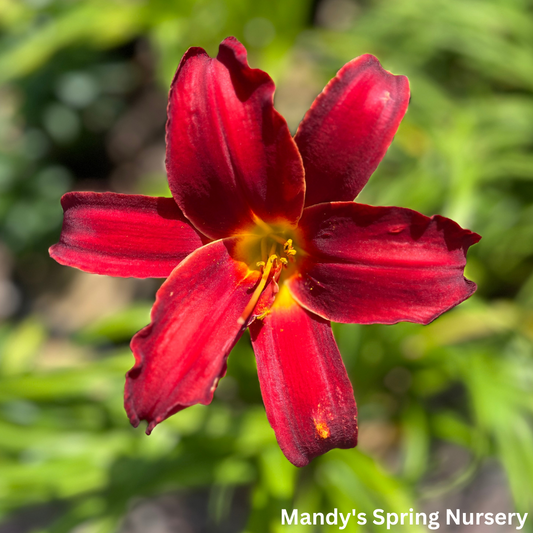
<point x="288" y="248"/>
<point x="322" y="429"/>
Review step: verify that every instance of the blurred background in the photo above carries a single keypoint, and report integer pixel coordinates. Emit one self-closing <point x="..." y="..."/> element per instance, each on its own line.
<point x="446" y="410"/>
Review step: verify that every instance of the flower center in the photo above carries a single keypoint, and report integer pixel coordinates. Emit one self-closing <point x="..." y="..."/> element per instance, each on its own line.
<point x="264" y="241"/>
<point x="272" y="250"/>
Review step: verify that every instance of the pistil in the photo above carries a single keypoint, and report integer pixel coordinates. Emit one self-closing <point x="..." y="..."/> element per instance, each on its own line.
<point x="259" y="289"/>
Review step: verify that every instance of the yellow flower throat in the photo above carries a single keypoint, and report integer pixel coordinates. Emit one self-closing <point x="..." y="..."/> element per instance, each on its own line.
<point x="270" y="249"/>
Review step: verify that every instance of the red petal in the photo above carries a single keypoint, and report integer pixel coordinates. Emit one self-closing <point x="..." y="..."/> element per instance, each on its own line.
<point x="372" y="265"/>
<point x="308" y="397"/>
<point x="124" y="235"/>
<point x="230" y="155"/>
<point x="348" y="129"/>
<point x="181" y="355"/>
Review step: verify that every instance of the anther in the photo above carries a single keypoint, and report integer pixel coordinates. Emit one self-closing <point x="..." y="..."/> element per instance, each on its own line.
<point x="288" y="248"/>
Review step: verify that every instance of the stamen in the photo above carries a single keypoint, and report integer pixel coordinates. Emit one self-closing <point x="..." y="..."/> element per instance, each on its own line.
<point x="279" y="240"/>
<point x="263" y="249"/>
<point x="259" y="289"/>
<point x="288" y="248"/>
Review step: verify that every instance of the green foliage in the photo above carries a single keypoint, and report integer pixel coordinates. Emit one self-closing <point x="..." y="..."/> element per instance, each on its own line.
<point x="71" y="70"/>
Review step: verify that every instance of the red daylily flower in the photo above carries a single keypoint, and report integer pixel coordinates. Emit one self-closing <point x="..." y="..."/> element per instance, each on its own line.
<point x="262" y="232"/>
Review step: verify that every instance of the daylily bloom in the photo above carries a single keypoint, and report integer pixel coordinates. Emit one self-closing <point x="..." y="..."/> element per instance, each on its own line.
<point x="262" y="232"/>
